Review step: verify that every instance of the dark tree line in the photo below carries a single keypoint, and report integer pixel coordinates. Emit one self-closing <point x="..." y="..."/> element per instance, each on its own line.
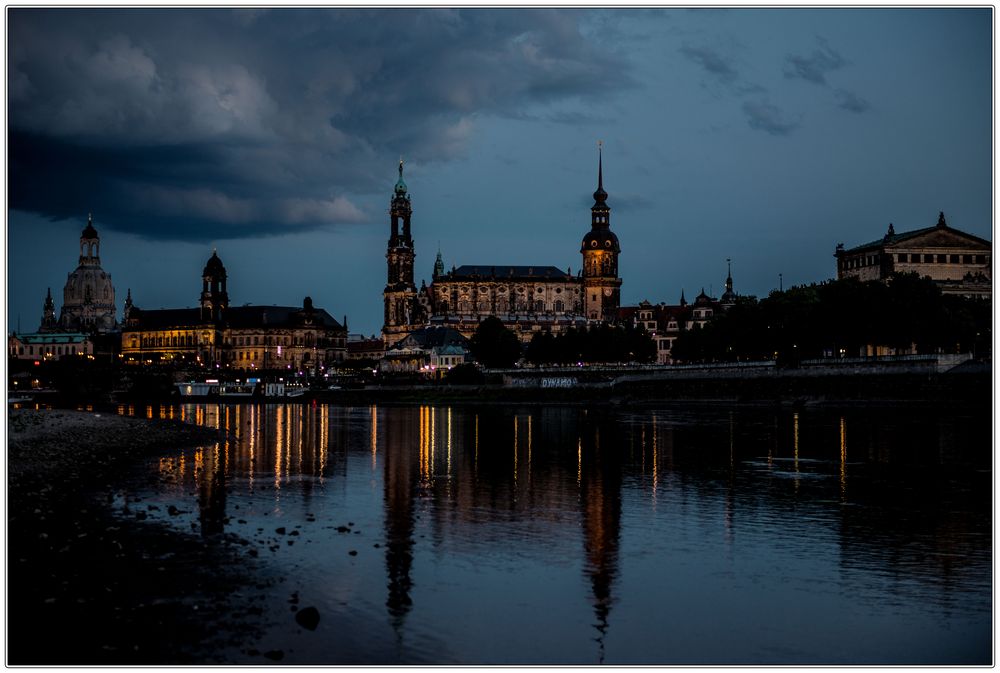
<point x="842" y="317"/>
<point x="495" y="346"/>
<point x="599" y="343"/>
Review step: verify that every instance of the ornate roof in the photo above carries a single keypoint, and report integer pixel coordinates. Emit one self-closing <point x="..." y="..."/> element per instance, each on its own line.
<point x="505" y="272"/>
<point x="213" y="265"/>
<point x="89" y="231"/>
<point x="235" y="317"/>
<point x="892" y="238"/>
<point x="603" y="237"/>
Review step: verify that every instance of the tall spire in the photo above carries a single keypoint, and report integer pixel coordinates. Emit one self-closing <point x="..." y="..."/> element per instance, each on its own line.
<point x="438" y="264"/>
<point x="600" y="196"/>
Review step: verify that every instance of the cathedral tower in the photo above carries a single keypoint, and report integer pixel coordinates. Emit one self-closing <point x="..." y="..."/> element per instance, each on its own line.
<point x="214" y="298"/>
<point x="400" y="295"/>
<point x="600" y="249"/>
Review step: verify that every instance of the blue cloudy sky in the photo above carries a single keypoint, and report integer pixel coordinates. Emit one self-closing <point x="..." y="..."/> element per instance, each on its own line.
<point x="764" y="135"/>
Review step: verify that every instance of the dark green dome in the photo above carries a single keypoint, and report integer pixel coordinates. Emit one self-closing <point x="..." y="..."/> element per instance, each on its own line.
<point x="400" y="187"/>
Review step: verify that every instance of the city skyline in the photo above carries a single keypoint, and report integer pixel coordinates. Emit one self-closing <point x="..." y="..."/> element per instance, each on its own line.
<point x="765" y="136"/>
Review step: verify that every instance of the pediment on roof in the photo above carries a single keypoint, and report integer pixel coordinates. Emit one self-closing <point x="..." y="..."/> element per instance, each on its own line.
<point x="942" y="238"/>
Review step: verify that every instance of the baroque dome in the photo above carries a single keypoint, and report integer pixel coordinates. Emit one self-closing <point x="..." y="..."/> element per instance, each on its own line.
<point x="600" y="239"/>
<point x="214" y="266"/>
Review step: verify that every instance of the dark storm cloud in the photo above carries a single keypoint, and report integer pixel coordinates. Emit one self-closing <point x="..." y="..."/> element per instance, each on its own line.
<point x="763" y="116"/>
<point x="813" y="68"/>
<point x="711" y="61"/>
<point x="213" y="124"/>
<point x="850" y="101"/>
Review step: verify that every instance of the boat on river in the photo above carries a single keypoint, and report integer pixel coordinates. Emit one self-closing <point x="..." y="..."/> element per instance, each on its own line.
<point x="213" y="388"/>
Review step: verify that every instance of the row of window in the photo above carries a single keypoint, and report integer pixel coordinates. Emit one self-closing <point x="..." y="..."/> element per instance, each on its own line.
<point x="502" y="306"/>
<point x="928" y="258"/>
<point x="50" y="350"/>
<point x="190" y="340"/>
<point x="917" y="258"/>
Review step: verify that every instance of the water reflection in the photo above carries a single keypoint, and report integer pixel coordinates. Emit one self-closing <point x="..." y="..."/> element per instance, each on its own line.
<point x="640" y="508"/>
<point x="400" y="480"/>
<point x="600" y="503"/>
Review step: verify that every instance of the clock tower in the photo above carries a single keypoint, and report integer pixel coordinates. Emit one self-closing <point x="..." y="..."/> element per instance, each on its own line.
<point x="600" y="249"/>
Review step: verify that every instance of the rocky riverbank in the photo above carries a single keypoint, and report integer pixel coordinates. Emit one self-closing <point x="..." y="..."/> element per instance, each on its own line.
<point x="89" y="579"/>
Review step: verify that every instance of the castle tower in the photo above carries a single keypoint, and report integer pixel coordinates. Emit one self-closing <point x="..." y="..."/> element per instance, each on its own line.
<point x="600" y="250"/>
<point x="400" y="295"/>
<point x="127" y="309"/>
<point x="438" y="266"/>
<point x="214" y="298"/>
<point x="728" y="298"/>
<point x="49" y="323"/>
<point x="88" y="296"/>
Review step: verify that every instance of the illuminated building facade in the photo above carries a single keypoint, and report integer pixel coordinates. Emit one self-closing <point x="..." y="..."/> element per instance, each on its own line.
<point x="527" y="299"/>
<point x="958" y="262"/>
<point x="236" y="337"/>
<point x="49" y="346"/>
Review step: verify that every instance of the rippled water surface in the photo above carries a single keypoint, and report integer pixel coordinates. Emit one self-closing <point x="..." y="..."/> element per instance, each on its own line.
<point x="562" y="535"/>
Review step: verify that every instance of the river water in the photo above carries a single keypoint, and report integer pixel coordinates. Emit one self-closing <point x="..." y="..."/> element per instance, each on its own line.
<point x="559" y="535"/>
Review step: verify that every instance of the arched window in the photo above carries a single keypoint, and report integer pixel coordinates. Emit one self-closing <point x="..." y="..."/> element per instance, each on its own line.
<point x="559" y="306"/>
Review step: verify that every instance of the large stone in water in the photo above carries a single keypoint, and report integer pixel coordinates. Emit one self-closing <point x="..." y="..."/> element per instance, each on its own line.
<point x="308" y="618"/>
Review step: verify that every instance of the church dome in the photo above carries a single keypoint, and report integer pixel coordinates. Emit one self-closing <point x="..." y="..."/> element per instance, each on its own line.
<point x="89" y="231"/>
<point x="600" y="239"/>
<point x="400" y="188"/>
<point x="88" y="300"/>
<point x="213" y="266"/>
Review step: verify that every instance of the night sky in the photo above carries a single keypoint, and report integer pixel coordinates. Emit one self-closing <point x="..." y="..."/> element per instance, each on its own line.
<point x="765" y="135"/>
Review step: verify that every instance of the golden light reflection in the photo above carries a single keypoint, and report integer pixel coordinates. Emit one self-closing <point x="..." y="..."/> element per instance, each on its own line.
<point x="149" y="411"/>
<point x="324" y="440"/>
<point x="449" y="443"/>
<point x="433" y="440"/>
<point x="250" y="445"/>
<point x="300" y="440"/>
<point x="425" y="450"/>
<point x="843" y="458"/>
<point x="579" y="461"/>
<point x="279" y="446"/>
<point x="475" y="458"/>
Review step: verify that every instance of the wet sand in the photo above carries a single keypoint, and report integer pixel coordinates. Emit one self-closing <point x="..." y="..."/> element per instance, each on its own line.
<point x="89" y="579"/>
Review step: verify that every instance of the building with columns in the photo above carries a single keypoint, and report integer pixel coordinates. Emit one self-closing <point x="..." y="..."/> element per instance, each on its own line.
<point x="958" y="262"/>
<point x="526" y="298"/>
